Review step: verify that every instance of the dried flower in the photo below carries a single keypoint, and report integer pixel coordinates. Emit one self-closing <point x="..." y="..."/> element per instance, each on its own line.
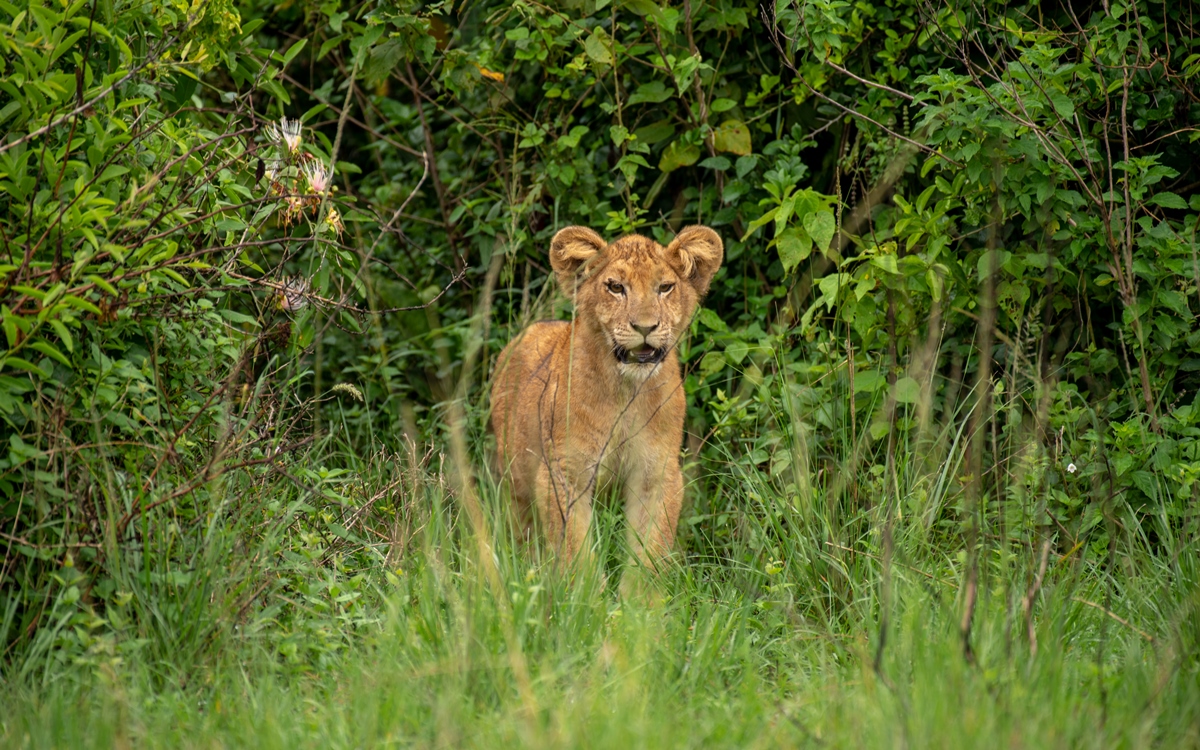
<point x="286" y="134"/>
<point x="273" y="171"/>
<point x="292" y="296"/>
<point x="319" y="178"/>
<point x="334" y="220"/>
<point x="293" y="209"/>
<point x="1071" y="468"/>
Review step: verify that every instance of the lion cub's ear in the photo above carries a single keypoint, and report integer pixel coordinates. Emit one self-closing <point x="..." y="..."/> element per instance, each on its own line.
<point x="697" y="252"/>
<point x="570" y="250"/>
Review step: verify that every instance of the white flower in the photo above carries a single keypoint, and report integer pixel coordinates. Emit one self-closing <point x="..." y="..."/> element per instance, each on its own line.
<point x="319" y="178"/>
<point x="286" y="133"/>
<point x="1071" y="469"/>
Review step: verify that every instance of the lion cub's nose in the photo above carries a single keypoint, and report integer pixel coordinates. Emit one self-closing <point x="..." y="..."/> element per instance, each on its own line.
<point x="645" y="330"/>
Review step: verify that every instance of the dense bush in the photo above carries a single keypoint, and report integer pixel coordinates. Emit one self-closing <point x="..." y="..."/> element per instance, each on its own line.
<point x="244" y="244"/>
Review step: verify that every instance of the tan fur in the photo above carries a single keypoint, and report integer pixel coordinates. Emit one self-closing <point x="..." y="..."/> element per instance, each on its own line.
<point x="570" y="416"/>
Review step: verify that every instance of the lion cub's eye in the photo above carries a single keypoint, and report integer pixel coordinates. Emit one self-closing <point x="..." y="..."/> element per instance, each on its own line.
<point x="665" y="288"/>
<point x="615" y="288"/>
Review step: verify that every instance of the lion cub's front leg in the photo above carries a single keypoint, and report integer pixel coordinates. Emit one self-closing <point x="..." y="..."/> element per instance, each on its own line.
<point x="653" y="497"/>
<point x="564" y="504"/>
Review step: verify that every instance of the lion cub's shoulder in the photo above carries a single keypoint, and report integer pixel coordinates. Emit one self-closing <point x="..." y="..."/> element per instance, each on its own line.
<point x="542" y="337"/>
<point x="535" y="345"/>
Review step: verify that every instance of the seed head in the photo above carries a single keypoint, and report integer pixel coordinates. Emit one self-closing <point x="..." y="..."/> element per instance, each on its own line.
<point x="349" y="389"/>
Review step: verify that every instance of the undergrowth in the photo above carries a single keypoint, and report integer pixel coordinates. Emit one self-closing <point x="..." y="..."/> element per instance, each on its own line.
<point x="943" y="430"/>
<point x="850" y="633"/>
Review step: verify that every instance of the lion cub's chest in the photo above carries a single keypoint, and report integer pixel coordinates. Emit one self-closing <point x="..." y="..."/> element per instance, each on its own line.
<point x="630" y="440"/>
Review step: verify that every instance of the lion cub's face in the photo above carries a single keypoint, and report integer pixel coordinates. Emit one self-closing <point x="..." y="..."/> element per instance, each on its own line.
<point x="636" y="293"/>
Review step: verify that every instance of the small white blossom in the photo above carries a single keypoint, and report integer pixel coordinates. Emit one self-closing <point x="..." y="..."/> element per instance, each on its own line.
<point x="286" y="133"/>
<point x="1071" y="469"/>
<point x="319" y="178"/>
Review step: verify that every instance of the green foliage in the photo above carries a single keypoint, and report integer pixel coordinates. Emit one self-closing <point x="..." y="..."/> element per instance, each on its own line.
<point x="163" y="256"/>
<point x="247" y="247"/>
<point x="736" y="656"/>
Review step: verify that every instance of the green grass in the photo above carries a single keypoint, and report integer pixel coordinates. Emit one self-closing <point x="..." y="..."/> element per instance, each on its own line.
<point x="817" y="604"/>
<point x="719" y="653"/>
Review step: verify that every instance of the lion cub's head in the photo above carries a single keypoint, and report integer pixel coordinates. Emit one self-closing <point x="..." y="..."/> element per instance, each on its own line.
<point x="638" y="294"/>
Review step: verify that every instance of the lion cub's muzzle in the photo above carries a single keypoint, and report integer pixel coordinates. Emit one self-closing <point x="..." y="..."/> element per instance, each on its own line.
<point x="641" y="355"/>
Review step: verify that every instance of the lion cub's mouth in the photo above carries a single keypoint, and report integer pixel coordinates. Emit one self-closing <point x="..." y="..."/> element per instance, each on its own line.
<point x="642" y="355"/>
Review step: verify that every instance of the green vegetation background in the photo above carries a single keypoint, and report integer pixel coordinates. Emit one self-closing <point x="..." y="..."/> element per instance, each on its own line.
<point x="256" y="260"/>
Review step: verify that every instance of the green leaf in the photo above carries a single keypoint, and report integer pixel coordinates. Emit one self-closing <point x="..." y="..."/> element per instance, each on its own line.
<point x="934" y="281"/>
<point x="684" y="70"/>
<point x="22" y="364"/>
<point x="821" y="225"/>
<point x="571" y="140"/>
<point x="761" y="221"/>
<point x="640" y="7"/>
<point x="711" y="319"/>
<point x="51" y="352"/>
<point x="329" y="44"/>
<point x="887" y="262"/>
<point x="736" y="352"/>
<point x="1177" y="301"/>
<point x="9" y="323"/>
<point x="9" y="110"/>
<point x="655" y="132"/>
<point x="992" y="259"/>
<point x="293" y="51"/>
<point x="879" y="429"/>
<point x="173" y="274"/>
<point x="783" y="213"/>
<point x="864" y="287"/>
<point x="655" y="92"/>
<point x="1167" y="199"/>
<point x="722" y="105"/>
<point x="712" y="363"/>
<point x="719" y="163"/>
<point x="678" y="154"/>
<point x="103" y="283"/>
<point x="80" y="303"/>
<point x="597" y="47"/>
<point x="63" y="334"/>
<point x="746" y="165"/>
<point x="908" y="390"/>
<point x="733" y="137"/>
<point x="868" y="380"/>
<point x="1063" y="105"/>
<point x="794" y="245"/>
<point x="274" y="89"/>
<point x="830" y="285"/>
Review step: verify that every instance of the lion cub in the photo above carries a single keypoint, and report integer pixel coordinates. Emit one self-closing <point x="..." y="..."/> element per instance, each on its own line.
<point x="578" y="404"/>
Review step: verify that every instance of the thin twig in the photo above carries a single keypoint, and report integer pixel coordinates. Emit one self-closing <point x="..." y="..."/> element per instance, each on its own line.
<point x="1116" y="617"/>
